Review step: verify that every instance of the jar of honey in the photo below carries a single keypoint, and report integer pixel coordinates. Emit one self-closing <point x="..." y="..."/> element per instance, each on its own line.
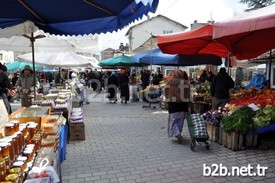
<point x="7" y="163"/>
<point x="5" y="149"/>
<point x="29" y="154"/>
<point x="10" y="141"/>
<point x="16" y="125"/>
<point x="32" y="130"/>
<point x="19" y="164"/>
<point x="15" y="140"/>
<point x="18" y="172"/>
<point x="2" y="170"/>
<point x="9" y="129"/>
<point x="14" y="178"/>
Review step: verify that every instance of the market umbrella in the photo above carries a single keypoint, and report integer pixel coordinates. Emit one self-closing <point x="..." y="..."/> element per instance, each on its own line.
<point x="248" y="35"/>
<point x="122" y="60"/>
<point x="72" y="17"/>
<point x="22" y="44"/>
<point x="18" y="65"/>
<point x="197" y="41"/>
<point x="57" y="59"/>
<point x="156" y="57"/>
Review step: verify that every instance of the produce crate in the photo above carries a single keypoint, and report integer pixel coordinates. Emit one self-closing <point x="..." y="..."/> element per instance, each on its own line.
<point x="213" y="132"/>
<point x="77" y="131"/>
<point x="236" y="141"/>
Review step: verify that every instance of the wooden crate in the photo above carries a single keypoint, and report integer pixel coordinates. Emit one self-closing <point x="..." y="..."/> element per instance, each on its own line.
<point x="213" y="132"/>
<point x="236" y="141"/>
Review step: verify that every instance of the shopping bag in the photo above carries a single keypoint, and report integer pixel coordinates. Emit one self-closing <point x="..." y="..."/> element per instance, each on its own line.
<point x="44" y="170"/>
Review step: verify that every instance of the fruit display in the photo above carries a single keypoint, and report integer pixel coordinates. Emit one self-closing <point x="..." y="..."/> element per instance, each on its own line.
<point x="214" y="117"/>
<point x="258" y="97"/>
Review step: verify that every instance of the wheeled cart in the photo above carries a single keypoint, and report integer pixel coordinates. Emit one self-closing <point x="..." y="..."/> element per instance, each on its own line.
<point x="197" y="130"/>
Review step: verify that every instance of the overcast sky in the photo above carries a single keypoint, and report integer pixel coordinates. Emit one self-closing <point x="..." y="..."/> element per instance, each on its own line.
<point x="184" y="12"/>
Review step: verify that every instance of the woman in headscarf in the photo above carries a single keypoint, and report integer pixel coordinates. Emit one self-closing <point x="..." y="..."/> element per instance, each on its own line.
<point x="112" y="87"/>
<point x="177" y="92"/>
<point x="123" y="83"/>
<point x="26" y="85"/>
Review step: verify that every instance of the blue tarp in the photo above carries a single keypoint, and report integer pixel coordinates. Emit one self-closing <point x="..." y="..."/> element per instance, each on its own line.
<point x="258" y="82"/>
<point x="71" y="17"/>
<point x="156" y="57"/>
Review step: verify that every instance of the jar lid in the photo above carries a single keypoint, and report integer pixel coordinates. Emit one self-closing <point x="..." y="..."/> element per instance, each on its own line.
<point x="9" y="125"/>
<point x="15" y="170"/>
<point x="4" y="144"/>
<point x="14" y="121"/>
<point x="12" y="176"/>
<point x="30" y="145"/>
<point x="22" y="158"/>
<point x="27" y="151"/>
<point x="18" y="164"/>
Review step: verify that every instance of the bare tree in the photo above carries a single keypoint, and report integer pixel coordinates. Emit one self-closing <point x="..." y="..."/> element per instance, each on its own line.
<point x="256" y="4"/>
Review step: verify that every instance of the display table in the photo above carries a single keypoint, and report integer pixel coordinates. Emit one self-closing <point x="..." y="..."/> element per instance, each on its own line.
<point x="267" y="129"/>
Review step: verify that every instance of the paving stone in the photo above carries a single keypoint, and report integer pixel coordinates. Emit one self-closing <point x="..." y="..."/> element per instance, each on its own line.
<point x="129" y="144"/>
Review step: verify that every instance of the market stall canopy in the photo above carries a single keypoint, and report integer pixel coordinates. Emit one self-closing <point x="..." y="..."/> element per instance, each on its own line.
<point x="197" y="41"/>
<point x="21" y="44"/>
<point x="122" y="60"/>
<point x="26" y="27"/>
<point x="70" y="17"/>
<point x="59" y="59"/>
<point x="94" y="62"/>
<point x="156" y="57"/>
<point x="18" y="65"/>
<point x="248" y="35"/>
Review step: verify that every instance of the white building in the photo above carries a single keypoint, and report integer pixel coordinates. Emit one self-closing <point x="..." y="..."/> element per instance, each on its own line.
<point x="140" y="34"/>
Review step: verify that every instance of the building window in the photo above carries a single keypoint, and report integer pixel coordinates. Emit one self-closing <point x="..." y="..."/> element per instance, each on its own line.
<point x="167" y="31"/>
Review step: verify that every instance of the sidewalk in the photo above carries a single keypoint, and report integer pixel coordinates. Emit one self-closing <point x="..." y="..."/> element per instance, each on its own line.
<point x="129" y="144"/>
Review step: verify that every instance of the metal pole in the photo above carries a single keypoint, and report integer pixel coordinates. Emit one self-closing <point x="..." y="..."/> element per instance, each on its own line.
<point x="32" y="39"/>
<point x="270" y="64"/>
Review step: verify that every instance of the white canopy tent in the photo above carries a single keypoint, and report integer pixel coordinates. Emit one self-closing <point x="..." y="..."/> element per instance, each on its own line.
<point x="56" y="59"/>
<point x="18" y="30"/>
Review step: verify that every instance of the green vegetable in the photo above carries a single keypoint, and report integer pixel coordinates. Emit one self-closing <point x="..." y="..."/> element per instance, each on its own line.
<point x="239" y="121"/>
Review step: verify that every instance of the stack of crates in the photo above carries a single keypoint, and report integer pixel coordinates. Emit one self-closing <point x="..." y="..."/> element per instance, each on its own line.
<point x="76" y="125"/>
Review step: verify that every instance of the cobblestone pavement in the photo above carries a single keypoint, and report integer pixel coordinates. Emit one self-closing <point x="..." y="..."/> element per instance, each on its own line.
<point x="128" y="143"/>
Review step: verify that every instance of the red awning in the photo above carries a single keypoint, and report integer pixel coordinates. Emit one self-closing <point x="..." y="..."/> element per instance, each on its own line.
<point x="248" y="35"/>
<point x="197" y="41"/>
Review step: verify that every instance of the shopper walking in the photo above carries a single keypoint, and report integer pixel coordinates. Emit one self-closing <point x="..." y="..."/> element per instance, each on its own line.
<point x="123" y="83"/>
<point x="177" y="91"/>
<point x="112" y="87"/>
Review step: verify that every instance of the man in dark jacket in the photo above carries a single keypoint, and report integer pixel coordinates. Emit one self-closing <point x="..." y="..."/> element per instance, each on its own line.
<point x="220" y="87"/>
<point x="5" y="88"/>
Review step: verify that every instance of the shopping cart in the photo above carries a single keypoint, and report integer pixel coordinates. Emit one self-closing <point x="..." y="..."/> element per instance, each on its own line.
<point x="197" y="130"/>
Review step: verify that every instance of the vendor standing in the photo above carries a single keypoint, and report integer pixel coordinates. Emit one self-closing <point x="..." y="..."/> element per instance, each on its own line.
<point x="26" y="85"/>
<point x="220" y="86"/>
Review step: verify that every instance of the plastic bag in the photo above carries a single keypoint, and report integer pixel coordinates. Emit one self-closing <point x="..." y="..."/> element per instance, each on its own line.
<point x="44" y="171"/>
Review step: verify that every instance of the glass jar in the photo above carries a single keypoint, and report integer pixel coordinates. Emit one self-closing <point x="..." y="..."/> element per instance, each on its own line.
<point x="14" y="178"/>
<point x="18" y="172"/>
<point x="29" y="154"/>
<point x="7" y="163"/>
<point x="10" y="141"/>
<point x="5" y="149"/>
<point x="19" y="164"/>
<point x="2" y="169"/>
<point x="9" y="129"/>
<point x="16" y="125"/>
<point x="37" y="143"/>
<point x="15" y="145"/>
<point x="32" y="130"/>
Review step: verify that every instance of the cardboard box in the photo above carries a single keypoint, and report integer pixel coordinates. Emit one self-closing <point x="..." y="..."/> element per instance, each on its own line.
<point x="77" y="131"/>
